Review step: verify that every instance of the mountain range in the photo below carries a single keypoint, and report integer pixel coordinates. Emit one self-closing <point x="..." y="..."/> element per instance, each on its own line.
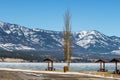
<point x="85" y="43"/>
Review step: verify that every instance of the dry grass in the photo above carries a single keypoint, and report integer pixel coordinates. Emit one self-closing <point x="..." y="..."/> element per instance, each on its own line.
<point x="14" y="75"/>
<point x="5" y="75"/>
<point x="105" y="74"/>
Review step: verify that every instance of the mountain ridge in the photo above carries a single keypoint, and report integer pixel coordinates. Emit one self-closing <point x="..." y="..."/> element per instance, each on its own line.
<point x="14" y="37"/>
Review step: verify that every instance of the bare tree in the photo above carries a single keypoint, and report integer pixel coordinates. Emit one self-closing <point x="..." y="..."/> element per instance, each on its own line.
<point x="67" y="38"/>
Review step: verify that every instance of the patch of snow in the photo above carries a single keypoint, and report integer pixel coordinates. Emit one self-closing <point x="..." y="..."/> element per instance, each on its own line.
<point x="116" y="52"/>
<point x="58" y="39"/>
<point x="19" y="34"/>
<point x="8" y="31"/>
<point x="84" y="43"/>
<point x="11" y="47"/>
<point x="1" y="24"/>
<point x="103" y="42"/>
<point x="59" y="45"/>
<point x="12" y="27"/>
<point x="83" y="34"/>
<point x="75" y="58"/>
<point x="36" y="29"/>
<point x="119" y="47"/>
<point x="31" y="32"/>
<point x="36" y="40"/>
<point x="26" y="33"/>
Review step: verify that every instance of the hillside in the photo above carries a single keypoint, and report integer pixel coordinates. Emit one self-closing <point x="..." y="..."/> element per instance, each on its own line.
<point x="87" y="44"/>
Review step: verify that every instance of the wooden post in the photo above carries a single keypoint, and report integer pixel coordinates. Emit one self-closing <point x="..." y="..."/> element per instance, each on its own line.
<point x="48" y="66"/>
<point x="51" y="66"/>
<point x="100" y="66"/>
<point x="104" y="66"/>
<point x="116" y="67"/>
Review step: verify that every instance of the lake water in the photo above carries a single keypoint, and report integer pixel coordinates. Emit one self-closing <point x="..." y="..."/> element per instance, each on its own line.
<point x="58" y="66"/>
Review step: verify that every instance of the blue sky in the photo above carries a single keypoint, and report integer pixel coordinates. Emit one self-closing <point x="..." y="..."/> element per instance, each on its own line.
<point x="101" y="15"/>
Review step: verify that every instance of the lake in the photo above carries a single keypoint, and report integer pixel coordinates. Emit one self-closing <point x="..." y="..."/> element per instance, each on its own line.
<point x="58" y="66"/>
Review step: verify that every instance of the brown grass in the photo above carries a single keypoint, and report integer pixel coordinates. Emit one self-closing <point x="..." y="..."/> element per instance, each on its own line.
<point x="14" y="75"/>
<point x="105" y="74"/>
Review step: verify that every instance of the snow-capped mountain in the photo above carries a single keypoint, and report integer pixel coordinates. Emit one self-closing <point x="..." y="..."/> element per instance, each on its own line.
<point x="15" y="37"/>
<point x="94" y="41"/>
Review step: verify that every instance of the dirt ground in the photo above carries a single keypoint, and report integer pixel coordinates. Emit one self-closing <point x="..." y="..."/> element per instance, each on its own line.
<point x="20" y="75"/>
